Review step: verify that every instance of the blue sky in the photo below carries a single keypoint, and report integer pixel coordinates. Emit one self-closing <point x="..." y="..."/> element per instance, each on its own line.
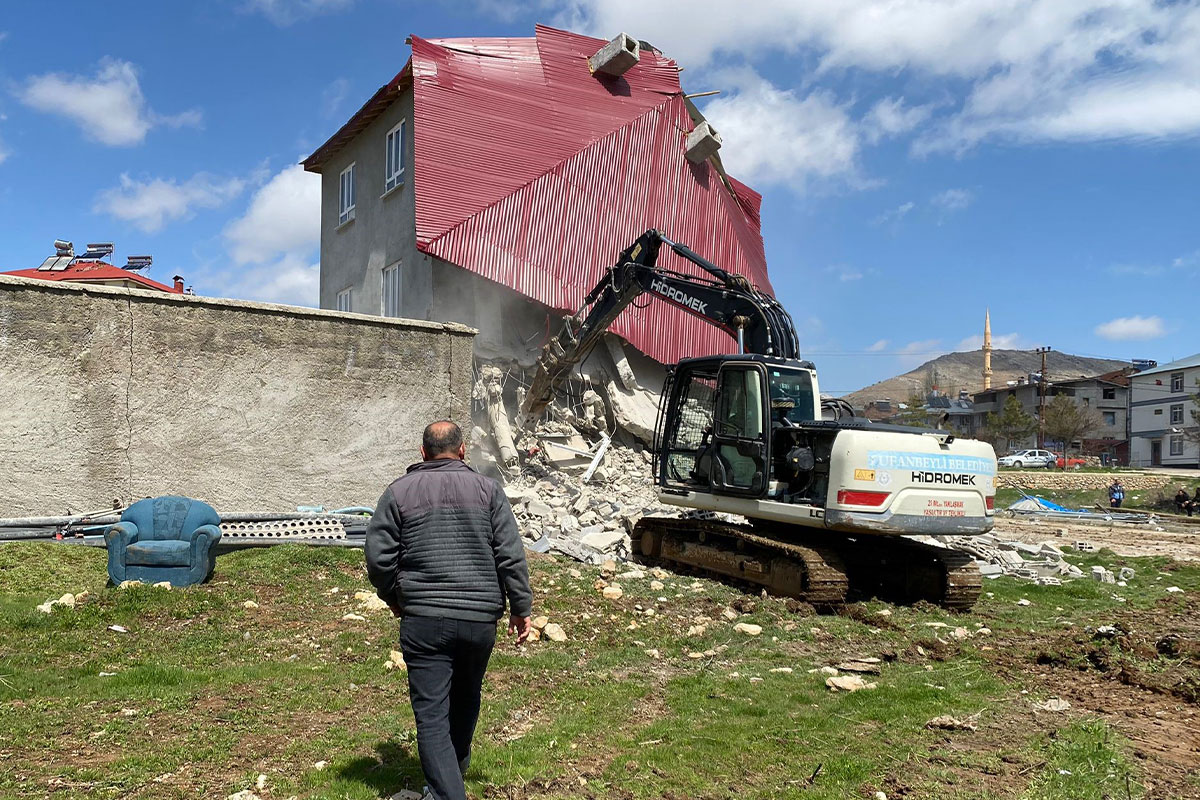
<point x="919" y="161"/>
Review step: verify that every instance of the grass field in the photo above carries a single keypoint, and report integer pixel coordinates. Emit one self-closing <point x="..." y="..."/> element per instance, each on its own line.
<point x="201" y="695"/>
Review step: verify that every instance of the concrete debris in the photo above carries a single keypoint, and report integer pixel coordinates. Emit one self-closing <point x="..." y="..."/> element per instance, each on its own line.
<point x="369" y="601"/>
<point x="1103" y="575"/>
<point x="118" y="629"/>
<point x="1126" y="574"/>
<point x="67" y="601"/>
<point x="1054" y="704"/>
<point x="848" y="683"/>
<point x="1174" y="589"/>
<point x="949" y="723"/>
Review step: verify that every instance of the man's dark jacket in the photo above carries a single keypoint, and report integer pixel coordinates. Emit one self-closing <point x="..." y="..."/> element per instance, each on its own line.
<point x="444" y="543"/>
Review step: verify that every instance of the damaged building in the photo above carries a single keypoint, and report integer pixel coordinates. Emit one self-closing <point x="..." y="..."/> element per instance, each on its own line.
<point x="492" y="181"/>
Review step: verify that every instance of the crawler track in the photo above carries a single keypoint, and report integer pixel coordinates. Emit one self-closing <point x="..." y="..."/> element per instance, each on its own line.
<point x="824" y="569"/>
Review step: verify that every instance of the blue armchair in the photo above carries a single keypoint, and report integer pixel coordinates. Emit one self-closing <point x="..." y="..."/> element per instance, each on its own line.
<point x="167" y="538"/>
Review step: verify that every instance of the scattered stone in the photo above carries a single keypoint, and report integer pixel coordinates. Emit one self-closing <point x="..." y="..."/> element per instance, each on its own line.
<point x="128" y="584"/>
<point x="107" y="674"/>
<point x="880" y="796"/>
<point x="245" y="794"/>
<point x="395" y="661"/>
<point x="729" y="614"/>
<point x="862" y="667"/>
<point x="1024" y="602"/>
<point x="1126" y="574"/>
<point x="983" y="632"/>
<point x="540" y="622"/>
<point x="782" y="670"/>
<point x="369" y="601"/>
<point x="354" y="617"/>
<point x="848" y="683"/>
<point x="1174" y="589"/>
<point x="949" y="723"/>
<point x="118" y="629"/>
<point x="960" y="634"/>
<point x="653" y="653"/>
<point x="261" y="783"/>
<point x="162" y="585"/>
<point x="320" y="765"/>
<point x="748" y="628"/>
<point x="656" y="586"/>
<point x="823" y="671"/>
<point x="249" y="604"/>
<point x="697" y="630"/>
<point x="554" y="632"/>
<point x="613" y="592"/>
<point x="1103" y="575"/>
<point x="883" y="612"/>
<point x="695" y="655"/>
<point x="1054" y="704"/>
<point x="405" y="794"/>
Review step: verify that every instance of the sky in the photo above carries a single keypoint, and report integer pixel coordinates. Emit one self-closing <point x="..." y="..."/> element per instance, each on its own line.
<point x="919" y="160"/>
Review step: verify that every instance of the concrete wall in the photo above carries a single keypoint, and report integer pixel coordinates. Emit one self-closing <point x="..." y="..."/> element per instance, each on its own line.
<point x="117" y="393"/>
<point x="383" y="230"/>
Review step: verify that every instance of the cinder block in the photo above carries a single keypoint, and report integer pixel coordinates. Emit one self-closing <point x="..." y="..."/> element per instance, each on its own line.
<point x="616" y="57"/>
<point x="702" y="142"/>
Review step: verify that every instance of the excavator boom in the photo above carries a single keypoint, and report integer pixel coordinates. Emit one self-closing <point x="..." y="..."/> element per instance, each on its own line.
<point x="727" y="300"/>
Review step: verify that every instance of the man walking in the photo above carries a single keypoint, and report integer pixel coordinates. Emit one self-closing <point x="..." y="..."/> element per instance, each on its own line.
<point x="444" y="552"/>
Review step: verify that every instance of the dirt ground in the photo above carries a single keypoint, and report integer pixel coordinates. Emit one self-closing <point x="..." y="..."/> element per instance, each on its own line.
<point x="1176" y="541"/>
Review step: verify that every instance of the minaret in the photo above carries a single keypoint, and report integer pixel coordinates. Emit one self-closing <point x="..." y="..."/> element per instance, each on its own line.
<point x="987" y="349"/>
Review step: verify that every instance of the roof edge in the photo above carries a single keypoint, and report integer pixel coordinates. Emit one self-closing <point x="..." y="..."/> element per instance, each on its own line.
<point x="370" y="110"/>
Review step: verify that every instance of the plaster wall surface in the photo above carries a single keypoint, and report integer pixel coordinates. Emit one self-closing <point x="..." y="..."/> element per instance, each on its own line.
<point x="119" y="393"/>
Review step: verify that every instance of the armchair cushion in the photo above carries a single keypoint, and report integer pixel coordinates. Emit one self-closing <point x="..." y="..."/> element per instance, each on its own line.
<point x="160" y="553"/>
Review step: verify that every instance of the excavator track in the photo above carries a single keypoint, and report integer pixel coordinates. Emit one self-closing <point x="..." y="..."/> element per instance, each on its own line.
<point x="807" y="571"/>
<point x="825" y="569"/>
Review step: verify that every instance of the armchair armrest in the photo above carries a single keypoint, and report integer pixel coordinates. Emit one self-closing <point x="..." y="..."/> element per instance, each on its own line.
<point x="204" y="537"/>
<point x="121" y="534"/>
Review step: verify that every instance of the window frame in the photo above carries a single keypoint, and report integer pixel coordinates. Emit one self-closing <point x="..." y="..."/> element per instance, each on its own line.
<point x="1110" y="415"/>
<point x="1176" y="444"/>
<point x="392" y="269"/>
<point x="394" y="178"/>
<point x="346" y="209"/>
<point x="348" y="294"/>
<point x="1176" y="382"/>
<point x="1177" y="411"/>
<point x="1110" y="393"/>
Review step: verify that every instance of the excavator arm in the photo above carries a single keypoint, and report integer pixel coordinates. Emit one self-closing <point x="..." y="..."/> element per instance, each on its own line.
<point x="755" y="320"/>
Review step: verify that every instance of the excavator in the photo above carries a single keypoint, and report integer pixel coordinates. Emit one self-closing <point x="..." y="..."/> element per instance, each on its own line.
<point x="836" y="507"/>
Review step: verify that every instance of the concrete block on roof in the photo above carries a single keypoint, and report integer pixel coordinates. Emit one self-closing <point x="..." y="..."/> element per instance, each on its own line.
<point x="617" y="56"/>
<point x="702" y="143"/>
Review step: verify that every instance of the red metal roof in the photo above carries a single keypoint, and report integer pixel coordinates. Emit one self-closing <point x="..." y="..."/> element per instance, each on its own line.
<point x="533" y="172"/>
<point x="92" y="271"/>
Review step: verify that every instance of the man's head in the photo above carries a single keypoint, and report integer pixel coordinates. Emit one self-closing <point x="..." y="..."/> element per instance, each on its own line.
<point x="442" y="439"/>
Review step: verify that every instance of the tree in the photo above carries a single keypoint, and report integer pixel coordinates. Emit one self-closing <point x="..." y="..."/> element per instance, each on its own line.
<point x="916" y="415"/>
<point x="1192" y="433"/>
<point x="1012" y="423"/>
<point x="1067" y="421"/>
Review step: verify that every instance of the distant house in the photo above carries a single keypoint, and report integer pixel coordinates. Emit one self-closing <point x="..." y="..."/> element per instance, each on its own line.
<point x="1108" y="394"/>
<point x="493" y="180"/>
<point x="1161" y="408"/>
<point x="951" y="413"/>
<point x="90" y="267"/>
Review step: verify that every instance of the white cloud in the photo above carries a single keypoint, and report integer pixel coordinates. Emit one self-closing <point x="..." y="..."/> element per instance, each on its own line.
<point x="1134" y="328"/>
<point x="1023" y="70"/>
<point x="778" y="136"/>
<point x="891" y="117"/>
<point x="284" y="218"/>
<point x="333" y="96"/>
<point x="150" y="205"/>
<point x="893" y="216"/>
<point x="850" y="275"/>
<point x="274" y="244"/>
<point x="916" y="353"/>
<point x="3" y="152"/>
<point x="952" y="199"/>
<point x="292" y="279"/>
<point x="878" y="346"/>
<point x="287" y="12"/>
<point x="1004" y="341"/>
<point x="109" y="107"/>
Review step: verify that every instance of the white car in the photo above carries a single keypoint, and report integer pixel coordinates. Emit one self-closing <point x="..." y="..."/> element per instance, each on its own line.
<point x="1028" y="458"/>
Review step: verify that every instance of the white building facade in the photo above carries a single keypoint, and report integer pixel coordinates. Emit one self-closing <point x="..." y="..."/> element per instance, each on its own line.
<point x="1160" y="415"/>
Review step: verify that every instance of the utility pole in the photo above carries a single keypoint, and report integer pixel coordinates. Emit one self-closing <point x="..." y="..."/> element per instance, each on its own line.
<point x="1042" y="400"/>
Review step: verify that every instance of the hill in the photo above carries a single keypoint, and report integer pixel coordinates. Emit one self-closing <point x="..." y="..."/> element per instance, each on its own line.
<point x="956" y="371"/>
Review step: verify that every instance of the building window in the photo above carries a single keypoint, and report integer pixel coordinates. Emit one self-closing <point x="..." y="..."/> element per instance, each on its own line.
<point x="1158" y="412"/>
<point x="1087" y="401"/>
<point x="1110" y="418"/>
<point x="1177" y="413"/>
<point x="391" y="291"/>
<point x="1176" y="382"/>
<point x="343" y="300"/>
<point x="393" y="158"/>
<point x="1110" y="393"/>
<point x="346" y="195"/>
<point x="1176" y="445"/>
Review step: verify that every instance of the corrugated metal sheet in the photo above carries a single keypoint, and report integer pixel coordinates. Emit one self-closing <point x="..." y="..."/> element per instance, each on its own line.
<point x="532" y="172"/>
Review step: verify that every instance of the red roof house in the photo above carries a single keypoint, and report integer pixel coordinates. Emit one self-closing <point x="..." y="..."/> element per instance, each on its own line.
<point x="524" y="167"/>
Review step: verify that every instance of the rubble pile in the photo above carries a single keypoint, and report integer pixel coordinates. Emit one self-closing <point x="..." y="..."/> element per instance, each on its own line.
<point x="587" y="520"/>
<point x="1041" y="563"/>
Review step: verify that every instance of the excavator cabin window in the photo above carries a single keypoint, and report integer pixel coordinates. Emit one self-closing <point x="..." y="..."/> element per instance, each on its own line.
<point x="791" y="396"/>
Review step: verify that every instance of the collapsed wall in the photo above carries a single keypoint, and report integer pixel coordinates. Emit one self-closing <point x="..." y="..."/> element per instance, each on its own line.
<point x="119" y="394"/>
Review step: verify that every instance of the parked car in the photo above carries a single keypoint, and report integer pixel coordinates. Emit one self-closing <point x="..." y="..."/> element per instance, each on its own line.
<point x="1028" y="458"/>
<point x="1069" y="463"/>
